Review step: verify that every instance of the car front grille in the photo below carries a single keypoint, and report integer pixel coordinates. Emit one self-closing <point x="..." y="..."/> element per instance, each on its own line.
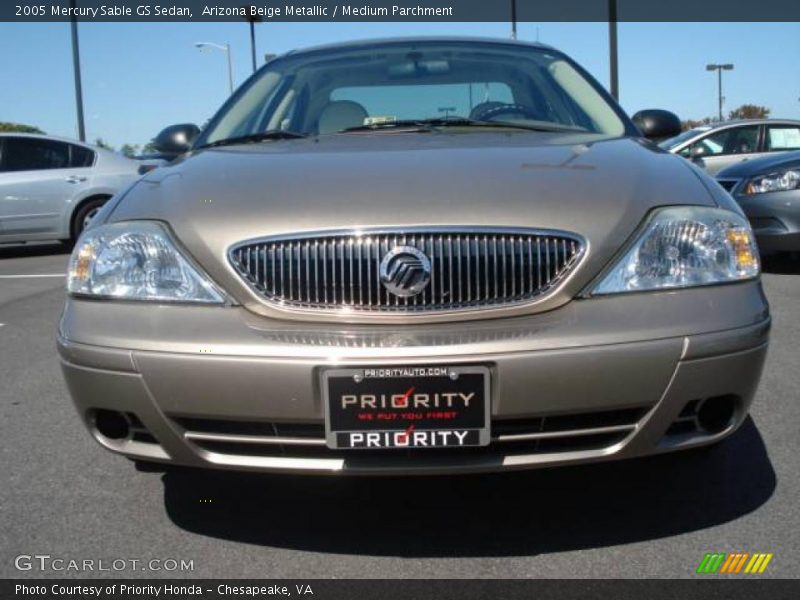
<point x="464" y="270"/>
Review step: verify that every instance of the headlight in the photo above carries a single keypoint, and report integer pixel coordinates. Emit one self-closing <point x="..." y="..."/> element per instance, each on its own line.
<point x="684" y="247"/>
<point x="136" y="260"/>
<point x="774" y="182"/>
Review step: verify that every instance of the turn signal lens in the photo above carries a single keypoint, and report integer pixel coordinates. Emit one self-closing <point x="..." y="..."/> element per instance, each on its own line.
<point x="743" y="249"/>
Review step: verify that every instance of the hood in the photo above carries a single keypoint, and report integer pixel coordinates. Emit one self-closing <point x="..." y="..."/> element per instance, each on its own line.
<point x="761" y="166"/>
<point x="596" y="187"/>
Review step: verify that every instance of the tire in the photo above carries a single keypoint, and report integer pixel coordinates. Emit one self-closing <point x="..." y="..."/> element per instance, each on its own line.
<point x="84" y="214"/>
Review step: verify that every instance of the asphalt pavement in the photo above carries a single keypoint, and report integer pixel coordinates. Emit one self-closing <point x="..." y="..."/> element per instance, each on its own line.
<point x="63" y="496"/>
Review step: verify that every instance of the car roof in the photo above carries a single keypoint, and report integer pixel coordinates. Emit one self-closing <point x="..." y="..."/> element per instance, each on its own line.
<point x="704" y="128"/>
<point x="46" y="136"/>
<point x="736" y="122"/>
<point x="419" y="40"/>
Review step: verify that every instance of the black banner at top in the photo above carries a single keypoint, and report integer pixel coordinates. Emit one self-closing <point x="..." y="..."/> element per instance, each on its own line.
<point x="398" y="10"/>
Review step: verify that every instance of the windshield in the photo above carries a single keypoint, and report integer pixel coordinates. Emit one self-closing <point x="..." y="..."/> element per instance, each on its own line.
<point x="339" y="89"/>
<point x="673" y="142"/>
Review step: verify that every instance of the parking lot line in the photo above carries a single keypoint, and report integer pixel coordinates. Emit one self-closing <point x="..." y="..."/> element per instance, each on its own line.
<point x="32" y="276"/>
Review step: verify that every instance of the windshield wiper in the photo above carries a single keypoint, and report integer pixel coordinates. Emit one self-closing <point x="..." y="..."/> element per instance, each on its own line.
<point x="252" y="138"/>
<point x="431" y="124"/>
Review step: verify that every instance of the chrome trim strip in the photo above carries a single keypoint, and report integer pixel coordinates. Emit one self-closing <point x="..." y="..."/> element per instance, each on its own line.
<point x="252" y="439"/>
<point x="290" y="441"/>
<point x="520" y="437"/>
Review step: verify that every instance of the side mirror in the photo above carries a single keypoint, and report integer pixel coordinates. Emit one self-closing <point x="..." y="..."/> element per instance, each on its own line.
<point x="657" y="124"/>
<point x="176" y="139"/>
<point x="697" y="152"/>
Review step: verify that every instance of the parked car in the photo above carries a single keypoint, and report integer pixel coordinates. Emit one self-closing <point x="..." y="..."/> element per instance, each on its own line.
<point x="51" y="188"/>
<point x="768" y="190"/>
<point x="338" y="277"/>
<point x="715" y="147"/>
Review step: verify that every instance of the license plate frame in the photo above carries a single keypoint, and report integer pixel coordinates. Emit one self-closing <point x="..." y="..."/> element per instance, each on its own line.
<point x="459" y="380"/>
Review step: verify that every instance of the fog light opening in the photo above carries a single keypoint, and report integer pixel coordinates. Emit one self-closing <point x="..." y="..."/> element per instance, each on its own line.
<point x="111" y="424"/>
<point x="716" y="414"/>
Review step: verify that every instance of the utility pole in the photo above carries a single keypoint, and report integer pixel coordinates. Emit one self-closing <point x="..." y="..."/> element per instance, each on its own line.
<point x="719" y="69"/>
<point x="253" y="42"/>
<point x="252" y="18"/>
<point x="76" y="67"/>
<point x="513" y="19"/>
<point x="612" y="49"/>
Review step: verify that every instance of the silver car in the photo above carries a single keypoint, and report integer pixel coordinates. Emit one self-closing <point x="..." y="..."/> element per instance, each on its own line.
<point x="50" y="188"/>
<point x="716" y="147"/>
<point x="416" y="256"/>
<point x="768" y="190"/>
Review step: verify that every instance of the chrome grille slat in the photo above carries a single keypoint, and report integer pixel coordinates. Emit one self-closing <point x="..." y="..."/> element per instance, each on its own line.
<point x="469" y="269"/>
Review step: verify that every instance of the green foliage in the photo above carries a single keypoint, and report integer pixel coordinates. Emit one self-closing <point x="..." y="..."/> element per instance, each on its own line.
<point x="692" y="123"/>
<point x="18" y="128"/>
<point x="745" y="111"/>
<point x="102" y="144"/>
<point x="129" y="150"/>
<point x="749" y="111"/>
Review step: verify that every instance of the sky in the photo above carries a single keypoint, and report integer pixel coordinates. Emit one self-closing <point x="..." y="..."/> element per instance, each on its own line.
<point x="140" y="77"/>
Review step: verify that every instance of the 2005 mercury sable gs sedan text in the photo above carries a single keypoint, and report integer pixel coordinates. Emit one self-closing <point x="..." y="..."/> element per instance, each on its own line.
<point x="415" y="256"/>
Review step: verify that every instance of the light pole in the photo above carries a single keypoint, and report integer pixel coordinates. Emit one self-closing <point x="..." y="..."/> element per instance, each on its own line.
<point x="719" y="69"/>
<point x="613" y="52"/>
<point x="252" y="18"/>
<point x="513" y="19"/>
<point x="227" y="50"/>
<point x="76" y="67"/>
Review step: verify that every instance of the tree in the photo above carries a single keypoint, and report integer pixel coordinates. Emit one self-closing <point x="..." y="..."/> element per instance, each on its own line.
<point x="102" y="144"/>
<point x="19" y="128"/>
<point x="129" y="150"/>
<point x="692" y="123"/>
<point x="749" y="111"/>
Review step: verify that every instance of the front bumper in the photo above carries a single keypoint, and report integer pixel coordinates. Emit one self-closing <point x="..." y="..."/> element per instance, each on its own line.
<point x="775" y="218"/>
<point x="600" y="378"/>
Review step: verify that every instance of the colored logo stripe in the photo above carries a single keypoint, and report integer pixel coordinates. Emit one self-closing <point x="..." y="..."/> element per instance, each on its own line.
<point x="720" y="562"/>
<point x="711" y="562"/>
<point x="758" y="563"/>
<point x="735" y="562"/>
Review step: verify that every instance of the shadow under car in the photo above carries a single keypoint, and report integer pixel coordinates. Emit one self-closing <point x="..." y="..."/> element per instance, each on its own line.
<point x="523" y="513"/>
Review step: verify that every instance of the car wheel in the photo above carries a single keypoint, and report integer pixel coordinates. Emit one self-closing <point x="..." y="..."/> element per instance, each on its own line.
<point x="85" y="215"/>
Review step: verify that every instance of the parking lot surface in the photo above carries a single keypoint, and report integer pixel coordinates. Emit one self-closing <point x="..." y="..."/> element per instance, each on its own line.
<point x="64" y="496"/>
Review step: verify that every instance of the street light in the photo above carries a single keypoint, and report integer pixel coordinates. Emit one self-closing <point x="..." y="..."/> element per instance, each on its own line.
<point x="719" y="69"/>
<point x="613" y="50"/>
<point x="227" y="50"/>
<point x="252" y="18"/>
<point x="76" y="67"/>
<point x="513" y="19"/>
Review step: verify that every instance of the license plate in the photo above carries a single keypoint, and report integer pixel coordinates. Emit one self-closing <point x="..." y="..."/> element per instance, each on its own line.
<point x="406" y="407"/>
